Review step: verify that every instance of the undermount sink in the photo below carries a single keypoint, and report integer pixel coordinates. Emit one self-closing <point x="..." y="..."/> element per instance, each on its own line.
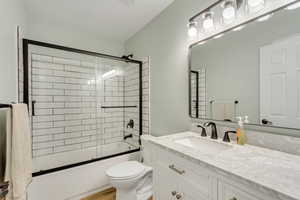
<point x="202" y="145"/>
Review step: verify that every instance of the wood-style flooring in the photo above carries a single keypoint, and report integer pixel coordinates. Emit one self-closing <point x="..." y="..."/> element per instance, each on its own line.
<point x="109" y="194"/>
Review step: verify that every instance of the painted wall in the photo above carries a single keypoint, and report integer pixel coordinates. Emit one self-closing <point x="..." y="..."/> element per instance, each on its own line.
<point x="165" y="41"/>
<point x="74" y="37"/>
<point x="11" y="15"/>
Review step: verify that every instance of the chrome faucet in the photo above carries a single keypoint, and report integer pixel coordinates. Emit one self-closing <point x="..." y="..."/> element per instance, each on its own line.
<point x="214" y="132"/>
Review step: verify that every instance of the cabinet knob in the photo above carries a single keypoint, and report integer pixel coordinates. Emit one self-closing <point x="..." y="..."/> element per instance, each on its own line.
<point x="173" y="193"/>
<point x="233" y="198"/>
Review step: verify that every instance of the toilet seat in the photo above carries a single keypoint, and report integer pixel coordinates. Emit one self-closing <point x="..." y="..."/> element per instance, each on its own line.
<point x="126" y="170"/>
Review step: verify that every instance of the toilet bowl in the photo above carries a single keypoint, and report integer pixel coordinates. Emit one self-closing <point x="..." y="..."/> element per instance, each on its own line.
<point x="132" y="180"/>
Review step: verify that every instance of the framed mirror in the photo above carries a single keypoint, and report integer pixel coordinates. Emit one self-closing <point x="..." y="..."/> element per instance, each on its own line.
<point x="252" y="71"/>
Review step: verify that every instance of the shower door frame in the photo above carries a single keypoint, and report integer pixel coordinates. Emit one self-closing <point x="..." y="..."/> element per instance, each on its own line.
<point x="27" y="42"/>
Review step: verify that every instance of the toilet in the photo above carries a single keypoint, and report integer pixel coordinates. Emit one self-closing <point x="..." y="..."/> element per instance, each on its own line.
<point x="132" y="180"/>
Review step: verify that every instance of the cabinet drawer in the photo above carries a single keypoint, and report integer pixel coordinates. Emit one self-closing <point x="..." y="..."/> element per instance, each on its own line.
<point x="226" y="191"/>
<point x="195" y="179"/>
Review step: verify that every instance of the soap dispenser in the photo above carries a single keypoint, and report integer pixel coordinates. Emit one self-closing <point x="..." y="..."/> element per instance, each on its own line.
<point x="241" y="135"/>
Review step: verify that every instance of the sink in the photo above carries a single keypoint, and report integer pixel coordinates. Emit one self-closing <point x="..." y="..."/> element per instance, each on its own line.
<point x="203" y="145"/>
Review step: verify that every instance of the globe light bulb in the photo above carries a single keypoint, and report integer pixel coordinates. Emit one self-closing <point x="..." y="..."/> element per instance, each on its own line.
<point x="192" y="31"/>
<point x="208" y="22"/>
<point x="229" y="10"/>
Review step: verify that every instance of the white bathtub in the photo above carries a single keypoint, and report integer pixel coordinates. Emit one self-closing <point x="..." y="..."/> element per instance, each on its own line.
<point x="71" y="157"/>
<point x="74" y="183"/>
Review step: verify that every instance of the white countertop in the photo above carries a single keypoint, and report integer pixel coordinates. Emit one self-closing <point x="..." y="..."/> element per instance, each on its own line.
<point x="273" y="170"/>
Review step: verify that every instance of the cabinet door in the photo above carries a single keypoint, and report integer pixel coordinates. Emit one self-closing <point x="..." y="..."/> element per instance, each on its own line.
<point x="230" y="192"/>
<point x="165" y="182"/>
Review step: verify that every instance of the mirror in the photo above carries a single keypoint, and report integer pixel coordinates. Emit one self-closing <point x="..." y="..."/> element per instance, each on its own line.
<point x="252" y="72"/>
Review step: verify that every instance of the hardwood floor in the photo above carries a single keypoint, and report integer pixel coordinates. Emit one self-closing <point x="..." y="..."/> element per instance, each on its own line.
<point x="109" y="194"/>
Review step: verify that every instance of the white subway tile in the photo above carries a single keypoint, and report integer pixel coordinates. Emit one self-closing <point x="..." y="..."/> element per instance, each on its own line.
<point x="67" y="148"/>
<point x="66" y="61"/>
<point x="43" y="112"/>
<point x="49" y="105"/>
<point x="44" y="65"/>
<point x="47" y="92"/>
<point x="39" y="71"/>
<point x="43" y="145"/>
<point x="41" y="58"/>
<point x="42" y="138"/>
<point x="42" y="152"/>
<point x="66" y="86"/>
<point x="48" y="118"/>
<point x="43" y="98"/>
<point x="77" y="140"/>
<point x="42" y="125"/>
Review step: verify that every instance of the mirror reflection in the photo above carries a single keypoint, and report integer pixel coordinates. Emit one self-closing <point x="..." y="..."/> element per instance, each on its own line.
<point x="252" y="72"/>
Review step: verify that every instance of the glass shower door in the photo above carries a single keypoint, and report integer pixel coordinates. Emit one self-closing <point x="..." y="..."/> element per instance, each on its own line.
<point x="117" y="107"/>
<point x="83" y="107"/>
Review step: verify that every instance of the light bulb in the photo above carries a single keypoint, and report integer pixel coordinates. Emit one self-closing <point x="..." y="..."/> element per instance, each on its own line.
<point x="192" y="32"/>
<point x="265" y="18"/>
<point x="255" y="3"/>
<point x="208" y="21"/>
<point x="293" y="6"/>
<point x="228" y="10"/>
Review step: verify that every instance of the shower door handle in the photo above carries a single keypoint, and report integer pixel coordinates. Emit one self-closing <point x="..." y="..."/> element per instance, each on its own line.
<point x="33" y="107"/>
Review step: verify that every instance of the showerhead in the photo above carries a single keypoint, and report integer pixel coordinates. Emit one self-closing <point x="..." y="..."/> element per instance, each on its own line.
<point x="130" y="56"/>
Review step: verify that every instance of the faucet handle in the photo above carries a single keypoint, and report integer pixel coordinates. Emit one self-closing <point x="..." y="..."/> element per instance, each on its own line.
<point x="203" y="133"/>
<point x="226" y="136"/>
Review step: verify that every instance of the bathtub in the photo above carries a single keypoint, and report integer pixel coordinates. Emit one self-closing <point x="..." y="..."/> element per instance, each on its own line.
<point x="76" y="182"/>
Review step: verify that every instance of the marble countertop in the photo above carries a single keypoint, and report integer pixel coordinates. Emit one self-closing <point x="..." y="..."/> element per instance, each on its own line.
<point x="273" y="170"/>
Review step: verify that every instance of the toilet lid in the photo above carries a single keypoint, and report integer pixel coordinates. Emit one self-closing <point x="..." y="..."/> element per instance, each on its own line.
<point x="124" y="170"/>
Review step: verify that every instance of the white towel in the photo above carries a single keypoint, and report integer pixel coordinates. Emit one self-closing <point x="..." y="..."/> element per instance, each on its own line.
<point x="4" y="113"/>
<point x="19" y="173"/>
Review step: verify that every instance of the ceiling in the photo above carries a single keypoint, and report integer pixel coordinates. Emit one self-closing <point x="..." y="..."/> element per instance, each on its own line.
<point x="113" y="19"/>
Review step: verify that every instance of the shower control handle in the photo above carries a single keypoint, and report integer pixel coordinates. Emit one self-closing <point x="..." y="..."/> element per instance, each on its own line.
<point x="33" y="107"/>
<point x="173" y="193"/>
<point x="179" y="196"/>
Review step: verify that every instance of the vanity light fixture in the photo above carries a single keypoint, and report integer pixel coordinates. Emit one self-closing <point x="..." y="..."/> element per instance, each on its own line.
<point x="239" y="28"/>
<point x="293" y="6"/>
<point x="229" y="10"/>
<point x="265" y="18"/>
<point x="218" y="36"/>
<point x="201" y="43"/>
<point x="192" y="32"/>
<point x="255" y="3"/>
<point x="208" y="21"/>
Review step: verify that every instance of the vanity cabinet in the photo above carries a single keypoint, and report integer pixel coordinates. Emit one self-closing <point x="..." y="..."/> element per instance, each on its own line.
<point x="175" y="178"/>
<point x="178" y="178"/>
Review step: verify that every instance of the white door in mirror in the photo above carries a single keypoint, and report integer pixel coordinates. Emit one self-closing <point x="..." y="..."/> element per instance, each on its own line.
<point x="280" y="83"/>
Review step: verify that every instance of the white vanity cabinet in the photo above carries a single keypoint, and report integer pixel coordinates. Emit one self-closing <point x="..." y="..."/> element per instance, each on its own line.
<point x="178" y="178"/>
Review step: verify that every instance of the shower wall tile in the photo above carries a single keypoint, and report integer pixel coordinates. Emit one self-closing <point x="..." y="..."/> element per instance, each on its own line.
<point x="68" y="110"/>
<point x="63" y="120"/>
